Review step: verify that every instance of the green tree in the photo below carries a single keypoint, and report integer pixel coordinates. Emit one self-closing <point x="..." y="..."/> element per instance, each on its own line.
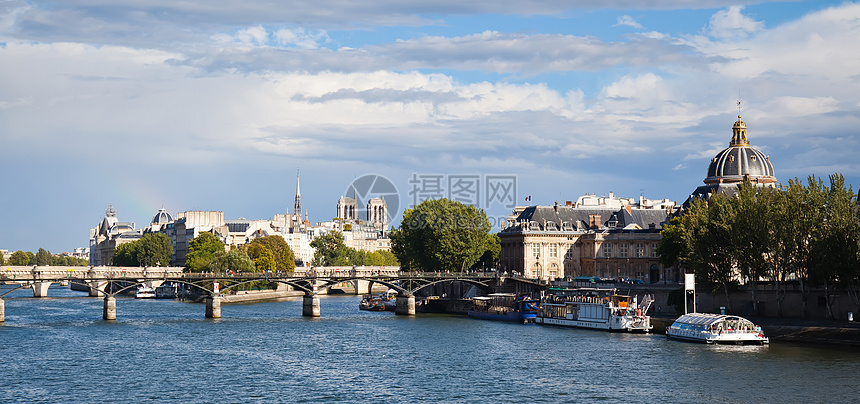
<point x="43" y="257"/>
<point x="201" y="252"/>
<point x="21" y="258"/>
<point x="490" y="258"/>
<point x="125" y="255"/>
<point x="2" y="260"/>
<point x="440" y="235"/>
<point x="282" y="254"/>
<point x="707" y="235"/>
<point x="671" y="246"/>
<point x="330" y="250"/>
<point x="750" y="237"/>
<point x="155" y="249"/>
<point x="234" y="260"/>
<point x="265" y="261"/>
<point x="837" y="246"/>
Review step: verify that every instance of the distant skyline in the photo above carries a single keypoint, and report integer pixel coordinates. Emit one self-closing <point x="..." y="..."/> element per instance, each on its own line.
<point x="213" y="105"/>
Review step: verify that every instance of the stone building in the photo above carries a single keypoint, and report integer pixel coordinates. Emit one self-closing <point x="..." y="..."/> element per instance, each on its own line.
<point x="607" y="237"/>
<point x="108" y="235"/>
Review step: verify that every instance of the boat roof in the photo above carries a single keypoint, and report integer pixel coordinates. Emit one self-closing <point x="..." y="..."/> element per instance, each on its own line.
<point x="706" y="318"/>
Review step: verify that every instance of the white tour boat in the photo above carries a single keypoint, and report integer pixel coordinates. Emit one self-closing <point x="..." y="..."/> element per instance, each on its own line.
<point x="716" y="329"/>
<point x="144" y="292"/>
<point x="599" y="309"/>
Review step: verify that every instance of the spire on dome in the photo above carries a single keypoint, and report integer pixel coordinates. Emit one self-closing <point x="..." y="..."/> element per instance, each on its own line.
<point x="739" y="133"/>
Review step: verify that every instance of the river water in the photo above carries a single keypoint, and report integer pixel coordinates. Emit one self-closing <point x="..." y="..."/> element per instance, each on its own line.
<point x="58" y="349"/>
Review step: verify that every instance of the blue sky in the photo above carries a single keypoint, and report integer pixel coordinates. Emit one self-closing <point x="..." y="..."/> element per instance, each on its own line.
<point x="214" y="105"/>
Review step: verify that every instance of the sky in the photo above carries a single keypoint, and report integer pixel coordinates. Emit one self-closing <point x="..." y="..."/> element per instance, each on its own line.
<point x="217" y="104"/>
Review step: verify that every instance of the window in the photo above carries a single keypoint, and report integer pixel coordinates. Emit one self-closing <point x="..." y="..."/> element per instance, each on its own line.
<point x="654" y="250"/>
<point x="640" y="250"/>
<point x="622" y="250"/>
<point x="553" y="250"/>
<point x="607" y="250"/>
<point x="536" y="250"/>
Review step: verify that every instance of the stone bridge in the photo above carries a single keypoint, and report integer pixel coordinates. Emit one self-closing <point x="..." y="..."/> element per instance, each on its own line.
<point x="104" y="281"/>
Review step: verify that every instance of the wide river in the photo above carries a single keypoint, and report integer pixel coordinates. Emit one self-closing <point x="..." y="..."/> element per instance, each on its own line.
<point x="58" y="349"/>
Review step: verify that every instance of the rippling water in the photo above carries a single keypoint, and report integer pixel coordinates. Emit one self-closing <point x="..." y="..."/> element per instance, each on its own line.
<point x="58" y="349"/>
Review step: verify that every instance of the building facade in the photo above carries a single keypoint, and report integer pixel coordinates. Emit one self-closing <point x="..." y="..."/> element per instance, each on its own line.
<point x="607" y="237"/>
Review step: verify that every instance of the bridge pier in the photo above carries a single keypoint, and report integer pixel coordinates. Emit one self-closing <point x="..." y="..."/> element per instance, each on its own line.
<point x="109" y="312"/>
<point x="40" y="289"/>
<point x="95" y="286"/>
<point x="213" y="307"/>
<point x="311" y="305"/>
<point x="405" y="305"/>
<point x="362" y="287"/>
<point x="2" y="311"/>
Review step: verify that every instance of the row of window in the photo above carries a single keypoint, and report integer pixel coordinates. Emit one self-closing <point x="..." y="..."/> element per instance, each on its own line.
<point x="604" y="250"/>
<point x="638" y="250"/>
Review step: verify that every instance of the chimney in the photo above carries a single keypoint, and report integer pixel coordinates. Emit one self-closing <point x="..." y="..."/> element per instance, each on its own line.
<point x="556" y="207"/>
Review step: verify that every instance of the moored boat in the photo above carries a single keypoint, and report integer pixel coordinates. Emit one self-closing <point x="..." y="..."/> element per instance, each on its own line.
<point x="716" y="329"/>
<point x="144" y="292"/>
<point x="504" y="307"/>
<point x="371" y="303"/>
<point x="600" y="309"/>
<point x="165" y="292"/>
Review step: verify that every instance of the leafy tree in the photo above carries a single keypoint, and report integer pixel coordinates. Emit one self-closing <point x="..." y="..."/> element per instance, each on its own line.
<point x="783" y="244"/>
<point x="43" y="257"/>
<point x="838" y="235"/>
<point x="282" y="254"/>
<point x="201" y="252"/>
<point x="490" y="258"/>
<point x="707" y="237"/>
<point x="65" y="260"/>
<point x="125" y="255"/>
<point x="234" y="260"/>
<point x="750" y="237"/>
<point x="2" y="260"/>
<point x="265" y="261"/>
<point x="329" y="250"/>
<point x="155" y="250"/>
<point x="22" y="258"/>
<point x="671" y="247"/>
<point x="439" y="235"/>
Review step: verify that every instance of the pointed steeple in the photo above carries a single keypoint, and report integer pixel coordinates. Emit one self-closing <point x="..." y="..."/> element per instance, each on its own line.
<point x="298" y="206"/>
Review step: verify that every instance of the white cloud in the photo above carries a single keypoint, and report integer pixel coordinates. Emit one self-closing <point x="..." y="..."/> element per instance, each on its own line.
<point x="628" y="21"/>
<point x="731" y="24"/>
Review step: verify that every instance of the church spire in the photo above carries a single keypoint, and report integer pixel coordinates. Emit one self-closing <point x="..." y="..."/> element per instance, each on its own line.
<point x="298" y="206"/>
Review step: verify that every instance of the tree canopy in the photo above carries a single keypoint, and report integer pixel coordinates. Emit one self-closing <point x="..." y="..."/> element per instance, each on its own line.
<point x="440" y="235"/>
<point x="22" y="258"/>
<point x="279" y="257"/>
<point x="201" y="252"/>
<point x="809" y="233"/>
<point x="153" y="249"/>
<point x="234" y="260"/>
<point x="43" y="257"/>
